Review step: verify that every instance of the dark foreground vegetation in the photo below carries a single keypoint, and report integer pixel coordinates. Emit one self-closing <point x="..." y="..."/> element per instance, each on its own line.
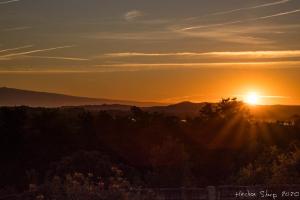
<point x="61" y="150"/>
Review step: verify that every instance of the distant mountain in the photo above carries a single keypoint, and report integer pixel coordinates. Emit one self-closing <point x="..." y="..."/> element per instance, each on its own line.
<point x="17" y="97"/>
<point x="183" y="109"/>
<point x="263" y="112"/>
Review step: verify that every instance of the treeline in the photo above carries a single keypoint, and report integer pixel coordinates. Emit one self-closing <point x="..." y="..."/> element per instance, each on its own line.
<point x="222" y="145"/>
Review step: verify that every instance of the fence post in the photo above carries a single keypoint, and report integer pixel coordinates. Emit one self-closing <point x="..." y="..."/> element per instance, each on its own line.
<point x="212" y="193"/>
<point x="183" y="193"/>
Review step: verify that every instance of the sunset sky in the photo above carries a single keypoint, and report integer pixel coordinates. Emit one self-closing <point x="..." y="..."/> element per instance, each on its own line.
<point x="153" y="50"/>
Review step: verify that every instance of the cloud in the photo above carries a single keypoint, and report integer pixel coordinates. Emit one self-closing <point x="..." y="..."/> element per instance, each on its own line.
<point x="139" y="35"/>
<point x="20" y="28"/>
<point x="143" y="66"/>
<point x="258" y="54"/>
<point x="275" y="97"/>
<point x="26" y="54"/>
<point x="133" y="14"/>
<point x="137" y="54"/>
<point x="154" y="21"/>
<point x="243" y="36"/>
<point x="222" y="59"/>
<point x="33" y="51"/>
<point x="238" y="54"/>
<point x="236" y="31"/>
<point x="15" y="49"/>
<point x="278" y="14"/>
<point x="239" y="21"/>
<point x="59" y="58"/>
<point x="32" y="71"/>
<point x="251" y="7"/>
<point x="7" y="2"/>
<point x="131" y="67"/>
<point x="264" y="96"/>
<point x="241" y="33"/>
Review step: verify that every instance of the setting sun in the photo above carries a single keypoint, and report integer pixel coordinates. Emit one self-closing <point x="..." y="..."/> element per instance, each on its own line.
<point x="252" y="98"/>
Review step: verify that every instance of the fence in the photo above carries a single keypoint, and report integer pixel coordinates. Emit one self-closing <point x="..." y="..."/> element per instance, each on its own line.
<point x="286" y="192"/>
<point x="276" y="192"/>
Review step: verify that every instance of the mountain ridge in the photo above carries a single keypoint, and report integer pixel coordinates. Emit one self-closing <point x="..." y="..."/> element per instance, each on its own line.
<point x="20" y="97"/>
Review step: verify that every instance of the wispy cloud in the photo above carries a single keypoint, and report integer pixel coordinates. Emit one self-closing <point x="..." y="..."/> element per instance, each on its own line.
<point x="244" y="36"/>
<point x="131" y="67"/>
<point x="275" y="96"/>
<point x="154" y="21"/>
<point x="258" y="54"/>
<point x="7" y="2"/>
<point x="15" y="49"/>
<point x="139" y="54"/>
<point x="59" y="58"/>
<point x="133" y="14"/>
<point x="26" y="54"/>
<point x="20" y="28"/>
<point x="48" y="71"/>
<point x="239" y="33"/>
<point x="239" y="21"/>
<point x="242" y="96"/>
<point x="143" y="66"/>
<point x="34" y="51"/>
<point x="251" y="7"/>
<point x="239" y="54"/>
<point x="138" y="35"/>
<point x="278" y="14"/>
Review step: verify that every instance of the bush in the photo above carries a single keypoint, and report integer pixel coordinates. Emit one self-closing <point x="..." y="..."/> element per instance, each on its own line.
<point x="78" y="186"/>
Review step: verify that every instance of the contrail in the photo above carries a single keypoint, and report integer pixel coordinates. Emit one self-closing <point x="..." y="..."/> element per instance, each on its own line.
<point x="17" y="48"/>
<point x="17" y="28"/>
<point x="250" y="8"/>
<point x="241" y="21"/>
<point x="7" y="2"/>
<point x="279" y="14"/>
<point x="34" y="51"/>
<point x="60" y="58"/>
<point x="256" y="54"/>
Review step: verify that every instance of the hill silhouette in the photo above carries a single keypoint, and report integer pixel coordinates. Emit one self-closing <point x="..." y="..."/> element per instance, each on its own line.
<point x="264" y="112"/>
<point x="17" y="97"/>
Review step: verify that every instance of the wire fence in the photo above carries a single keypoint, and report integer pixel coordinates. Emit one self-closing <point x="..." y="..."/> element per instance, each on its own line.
<point x="278" y="192"/>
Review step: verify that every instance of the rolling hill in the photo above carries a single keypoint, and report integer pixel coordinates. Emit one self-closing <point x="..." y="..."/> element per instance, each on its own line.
<point x="17" y="97"/>
<point x="263" y="112"/>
